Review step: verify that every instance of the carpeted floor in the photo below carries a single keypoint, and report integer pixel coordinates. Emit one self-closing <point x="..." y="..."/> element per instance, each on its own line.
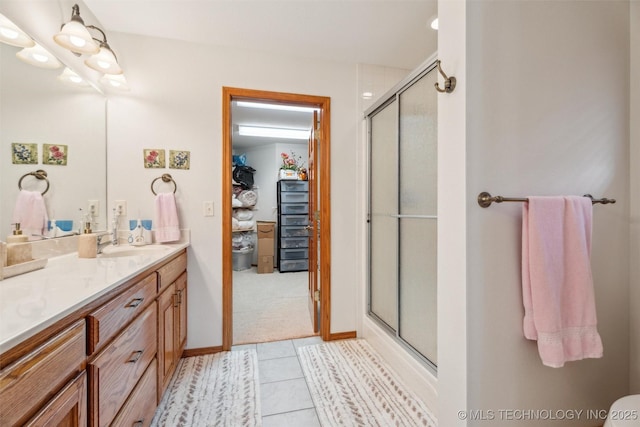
<point x="351" y="385"/>
<point x="270" y="307"/>
<point x="221" y="390"/>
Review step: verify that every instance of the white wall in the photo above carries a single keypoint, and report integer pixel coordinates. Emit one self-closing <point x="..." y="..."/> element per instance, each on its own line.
<point x="634" y="160"/>
<point x="175" y="103"/>
<point x="547" y="114"/>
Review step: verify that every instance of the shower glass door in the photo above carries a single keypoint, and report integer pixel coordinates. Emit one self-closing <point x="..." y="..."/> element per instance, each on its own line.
<point x="403" y="215"/>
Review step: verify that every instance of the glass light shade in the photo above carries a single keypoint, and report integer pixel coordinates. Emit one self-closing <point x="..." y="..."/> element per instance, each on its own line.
<point x="70" y="77"/>
<point x="115" y="81"/>
<point x="104" y="61"/>
<point x="11" y="34"/>
<point x="38" y="56"/>
<point x="75" y="37"/>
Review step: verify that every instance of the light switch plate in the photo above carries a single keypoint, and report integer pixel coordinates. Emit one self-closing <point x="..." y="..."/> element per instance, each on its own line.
<point x="207" y="207"/>
<point x="121" y="207"/>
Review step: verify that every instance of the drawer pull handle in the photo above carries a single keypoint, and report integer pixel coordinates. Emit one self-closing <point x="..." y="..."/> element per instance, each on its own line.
<point x="135" y="302"/>
<point x="135" y="356"/>
<point x="179" y="293"/>
<point x="138" y="423"/>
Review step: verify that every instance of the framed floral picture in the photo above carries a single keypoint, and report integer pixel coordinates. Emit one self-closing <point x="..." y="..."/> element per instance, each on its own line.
<point x="154" y="158"/>
<point x="54" y="154"/>
<point x="179" y="159"/>
<point x="24" y="154"/>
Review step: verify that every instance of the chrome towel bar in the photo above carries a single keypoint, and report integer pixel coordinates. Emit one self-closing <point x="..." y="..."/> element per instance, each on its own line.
<point x="485" y="199"/>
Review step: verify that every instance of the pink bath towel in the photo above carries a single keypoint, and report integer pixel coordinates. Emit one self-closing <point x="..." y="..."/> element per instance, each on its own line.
<point x="31" y="212"/>
<point x="166" y="218"/>
<point x="557" y="286"/>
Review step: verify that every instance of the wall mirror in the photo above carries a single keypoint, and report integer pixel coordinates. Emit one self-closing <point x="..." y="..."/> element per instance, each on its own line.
<point x="43" y="113"/>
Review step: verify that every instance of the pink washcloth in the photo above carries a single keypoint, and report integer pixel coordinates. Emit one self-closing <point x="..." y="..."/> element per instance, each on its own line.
<point x="31" y="212"/>
<point x="166" y="222"/>
<point x="557" y="286"/>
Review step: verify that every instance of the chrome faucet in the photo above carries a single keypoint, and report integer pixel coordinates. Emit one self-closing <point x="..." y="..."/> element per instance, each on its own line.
<point x="101" y="244"/>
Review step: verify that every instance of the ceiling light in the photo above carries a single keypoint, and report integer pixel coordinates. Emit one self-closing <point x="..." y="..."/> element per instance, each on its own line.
<point x="273" y="132"/>
<point x="75" y="37"/>
<point x="367" y="95"/>
<point x="11" y="34"/>
<point x="434" y="23"/>
<point x="105" y="61"/>
<point x="266" y="106"/>
<point x="116" y="81"/>
<point x="38" y="56"/>
<point x="70" y="77"/>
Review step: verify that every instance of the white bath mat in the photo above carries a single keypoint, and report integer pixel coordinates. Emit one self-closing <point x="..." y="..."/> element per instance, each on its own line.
<point x="219" y="390"/>
<point x="351" y="385"/>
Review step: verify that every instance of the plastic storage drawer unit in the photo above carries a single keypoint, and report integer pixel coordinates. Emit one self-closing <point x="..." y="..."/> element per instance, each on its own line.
<point x="293" y="220"/>
<point x="294" y="197"/>
<point x="301" y="253"/>
<point x="294" y="265"/>
<point x="294" y="186"/>
<point x="294" y="242"/>
<point x="294" y="208"/>
<point x="294" y="231"/>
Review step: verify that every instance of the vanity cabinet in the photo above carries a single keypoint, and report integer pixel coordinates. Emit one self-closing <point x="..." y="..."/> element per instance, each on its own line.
<point x="108" y="362"/>
<point x="172" y="320"/>
<point x="48" y="383"/>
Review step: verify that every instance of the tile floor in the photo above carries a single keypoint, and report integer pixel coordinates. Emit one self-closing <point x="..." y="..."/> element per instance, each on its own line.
<point x="285" y="398"/>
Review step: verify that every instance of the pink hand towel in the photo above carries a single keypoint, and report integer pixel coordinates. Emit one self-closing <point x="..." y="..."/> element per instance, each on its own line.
<point x="166" y="222"/>
<point x="557" y="286"/>
<point x="31" y="212"/>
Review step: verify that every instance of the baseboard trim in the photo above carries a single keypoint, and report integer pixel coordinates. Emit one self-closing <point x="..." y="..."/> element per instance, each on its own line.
<point x="343" y="335"/>
<point x="191" y="352"/>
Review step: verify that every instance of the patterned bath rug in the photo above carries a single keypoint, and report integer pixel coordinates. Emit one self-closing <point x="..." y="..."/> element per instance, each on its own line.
<point x="351" y="385"/>
<point x="220" y="390"/>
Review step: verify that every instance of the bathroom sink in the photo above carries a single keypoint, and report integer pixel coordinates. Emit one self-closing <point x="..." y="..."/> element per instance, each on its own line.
<point x="124" y="251"/>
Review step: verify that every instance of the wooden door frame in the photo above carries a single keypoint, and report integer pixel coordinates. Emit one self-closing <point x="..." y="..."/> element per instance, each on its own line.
<point x="324" y="104"/>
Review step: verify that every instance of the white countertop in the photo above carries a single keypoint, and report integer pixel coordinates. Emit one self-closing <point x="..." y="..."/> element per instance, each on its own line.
<point x="33" y="301"/>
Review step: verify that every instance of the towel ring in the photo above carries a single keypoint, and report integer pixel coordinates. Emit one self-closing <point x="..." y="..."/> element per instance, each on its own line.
<point x="40" y="174"/>
<point x="165" y="178"/>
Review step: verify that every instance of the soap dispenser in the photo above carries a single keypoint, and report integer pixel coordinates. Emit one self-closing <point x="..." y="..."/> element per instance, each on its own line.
<point x="18" y="247"/>
<point x="87" y="243"/>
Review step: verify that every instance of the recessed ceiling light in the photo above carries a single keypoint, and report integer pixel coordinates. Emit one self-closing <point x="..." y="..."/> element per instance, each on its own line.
<point x="367" y="95"/>
<point x="434" y="23"/>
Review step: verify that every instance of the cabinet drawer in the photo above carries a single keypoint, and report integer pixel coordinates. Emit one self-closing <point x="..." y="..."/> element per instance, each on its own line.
<point x="32" y="380"/>
<point x="293" y="231"/>
<point x="170" y="271"/>
<point x="67" y="408"/>
<point x="294" y="197"/>
<point x="141" y="406"/>
<point x="294" y="265"/>
<point x="294" y="242"/>
<point x="302" y="253"/>
<point x="294" y="220"/>
<point x="294" y="208"/>
<point x="104" y="323"/>
<point x="117" y="368"/>
<point x="294" y="185"/>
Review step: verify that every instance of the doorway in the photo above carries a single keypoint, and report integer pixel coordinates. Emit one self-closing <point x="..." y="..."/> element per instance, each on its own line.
<point x="322" y="268"/>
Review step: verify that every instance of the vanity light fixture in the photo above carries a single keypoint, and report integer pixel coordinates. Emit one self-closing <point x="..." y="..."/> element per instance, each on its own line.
<point x="38" y="56"/>
<point x="262" y="105"/>
<point x="70" y="77"/>
<point x="12" y="35"/>
<point x="75" y="36"/>
<point x="273" y="132"/>
<point x="116" y="81"/>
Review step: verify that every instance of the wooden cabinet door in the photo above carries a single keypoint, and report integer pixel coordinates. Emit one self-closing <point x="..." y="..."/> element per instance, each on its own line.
<point x="166" y="337"/>
<point x="67" y="409"/>
<point x="181" y="315"/>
